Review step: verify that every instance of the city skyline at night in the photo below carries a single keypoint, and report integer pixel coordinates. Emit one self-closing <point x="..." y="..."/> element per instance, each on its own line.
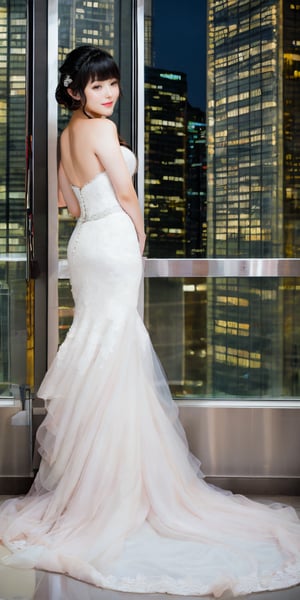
<point x="246" y="147"/>
<point x="253" y="191"/>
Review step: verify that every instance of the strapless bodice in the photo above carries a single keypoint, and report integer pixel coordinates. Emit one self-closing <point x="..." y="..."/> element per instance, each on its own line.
<point x="97" y="197"/>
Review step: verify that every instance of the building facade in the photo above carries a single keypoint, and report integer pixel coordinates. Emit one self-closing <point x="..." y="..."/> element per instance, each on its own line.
<point x="13" y="336"/>
<point x="196" y="172"/>
<point x="253" y="190"/>
<point x="165" y="160"/>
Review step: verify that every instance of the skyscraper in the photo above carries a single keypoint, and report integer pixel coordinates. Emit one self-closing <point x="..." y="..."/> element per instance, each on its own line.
<point x="165" y="152"/>
<point x="291" y="186"/>
<point x="13" y="23"/>
<point x="148" y="33"/>
<point x="175" y="216"/>
<point x="253" y="187"/>
<point x="12" y="126"/>
<point x="196" y="225"/>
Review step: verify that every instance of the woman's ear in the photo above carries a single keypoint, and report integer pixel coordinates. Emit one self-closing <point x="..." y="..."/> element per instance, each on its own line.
<point x="74" y="95"/>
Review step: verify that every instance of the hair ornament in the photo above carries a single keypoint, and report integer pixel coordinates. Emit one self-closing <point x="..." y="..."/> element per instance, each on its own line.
<point x="67" y="80"/>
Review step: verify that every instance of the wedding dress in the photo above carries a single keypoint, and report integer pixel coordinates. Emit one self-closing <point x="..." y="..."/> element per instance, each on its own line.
<point x="119" y="500"/>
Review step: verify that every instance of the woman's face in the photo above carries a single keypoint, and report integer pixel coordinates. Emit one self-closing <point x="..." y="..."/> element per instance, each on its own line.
<point x="101" y="97"/>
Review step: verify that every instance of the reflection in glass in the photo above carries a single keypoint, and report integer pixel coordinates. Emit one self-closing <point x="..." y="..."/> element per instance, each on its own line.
<point x="208" y="353"/>
<point x="65" y="310"/>
<point x="175" y="316"/>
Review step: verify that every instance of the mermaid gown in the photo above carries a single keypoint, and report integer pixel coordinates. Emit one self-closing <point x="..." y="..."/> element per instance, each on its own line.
<point x="119" y="501"/>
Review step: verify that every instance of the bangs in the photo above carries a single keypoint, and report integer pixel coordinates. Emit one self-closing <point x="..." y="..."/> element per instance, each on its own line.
<point x="100" y="74"/>
<point x="101" y="68"/>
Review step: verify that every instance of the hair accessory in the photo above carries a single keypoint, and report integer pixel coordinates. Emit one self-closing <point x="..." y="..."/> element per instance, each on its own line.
<point x="67" y="80"/>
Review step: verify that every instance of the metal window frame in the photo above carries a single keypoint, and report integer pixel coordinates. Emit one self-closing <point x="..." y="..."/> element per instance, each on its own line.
<point x="52" y="321"/>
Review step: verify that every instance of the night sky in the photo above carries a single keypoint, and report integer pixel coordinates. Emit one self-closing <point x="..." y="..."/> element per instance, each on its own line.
<point x="179" y="43"/>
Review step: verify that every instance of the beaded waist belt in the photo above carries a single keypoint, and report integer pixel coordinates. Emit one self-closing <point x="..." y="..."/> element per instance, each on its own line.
<point x="101" y="214"/>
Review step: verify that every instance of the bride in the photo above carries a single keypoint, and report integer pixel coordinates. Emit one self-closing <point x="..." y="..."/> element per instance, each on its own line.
<point x="119" y="501"/>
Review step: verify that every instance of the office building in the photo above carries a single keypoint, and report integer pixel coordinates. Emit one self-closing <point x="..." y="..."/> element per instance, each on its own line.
<point x="165" y="160"/>
<point x="148" y="46"/>
<point x="13" y="26"/>
<point x="253" y="190"/>
<point x="196" y="167"/>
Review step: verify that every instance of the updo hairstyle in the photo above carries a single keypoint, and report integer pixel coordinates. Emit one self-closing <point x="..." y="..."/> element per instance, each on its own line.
<point x="83" y="64"/>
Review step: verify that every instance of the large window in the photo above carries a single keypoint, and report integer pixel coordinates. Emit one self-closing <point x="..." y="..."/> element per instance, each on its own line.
<point x="12" y="195"/>
<point x="220" y="172"/>
<point x="16" y="292"/>
<point x="222" y="183"/>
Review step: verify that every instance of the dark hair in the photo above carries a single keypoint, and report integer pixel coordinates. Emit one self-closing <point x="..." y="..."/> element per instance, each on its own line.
<point x="83" y="64"/>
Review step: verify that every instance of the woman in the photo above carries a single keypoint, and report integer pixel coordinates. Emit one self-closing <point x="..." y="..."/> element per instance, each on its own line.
<point x="119" y="500"/>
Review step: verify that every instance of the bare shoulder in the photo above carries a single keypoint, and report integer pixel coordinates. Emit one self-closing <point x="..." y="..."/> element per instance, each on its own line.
<point x="90" y="125"/>
<point x="104" y="137"/>
<point x="104" y="127"/>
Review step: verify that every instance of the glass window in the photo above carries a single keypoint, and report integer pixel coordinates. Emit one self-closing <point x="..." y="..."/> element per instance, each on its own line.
<point x="226" y="337"/>
<point x="222" y="119"/>
<point x="175" y="130"/>
<point x="16" y="290"/>
<point x="13" y="331"/>
<point x="220" y="182"/>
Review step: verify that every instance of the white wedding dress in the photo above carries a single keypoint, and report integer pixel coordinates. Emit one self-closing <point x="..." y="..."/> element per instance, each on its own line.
<point x="119" y="500"/>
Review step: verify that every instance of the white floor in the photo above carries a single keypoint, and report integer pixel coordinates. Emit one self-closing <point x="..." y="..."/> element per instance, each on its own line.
<point x="17" y="584"/>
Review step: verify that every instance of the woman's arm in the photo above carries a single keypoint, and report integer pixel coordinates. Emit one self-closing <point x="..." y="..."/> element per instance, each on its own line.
<point x="106" y="145"/>
<point x="66" y="196"/>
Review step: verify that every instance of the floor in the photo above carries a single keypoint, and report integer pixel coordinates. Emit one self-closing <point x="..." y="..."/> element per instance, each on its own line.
<point x="17" y="584"/>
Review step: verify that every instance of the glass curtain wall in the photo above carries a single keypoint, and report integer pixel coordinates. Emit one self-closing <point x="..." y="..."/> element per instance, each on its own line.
<point x="12" y="190"/>
<point x="222" y="183"/>
<point x="16" y="292"/>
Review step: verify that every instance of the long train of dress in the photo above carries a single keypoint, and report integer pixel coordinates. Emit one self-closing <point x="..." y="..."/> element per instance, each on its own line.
<point x="119" y="500"/>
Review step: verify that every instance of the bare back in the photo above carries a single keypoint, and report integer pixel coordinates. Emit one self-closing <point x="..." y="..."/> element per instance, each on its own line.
<point x="89" y="147"/>
<point x="78" y="157"/>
